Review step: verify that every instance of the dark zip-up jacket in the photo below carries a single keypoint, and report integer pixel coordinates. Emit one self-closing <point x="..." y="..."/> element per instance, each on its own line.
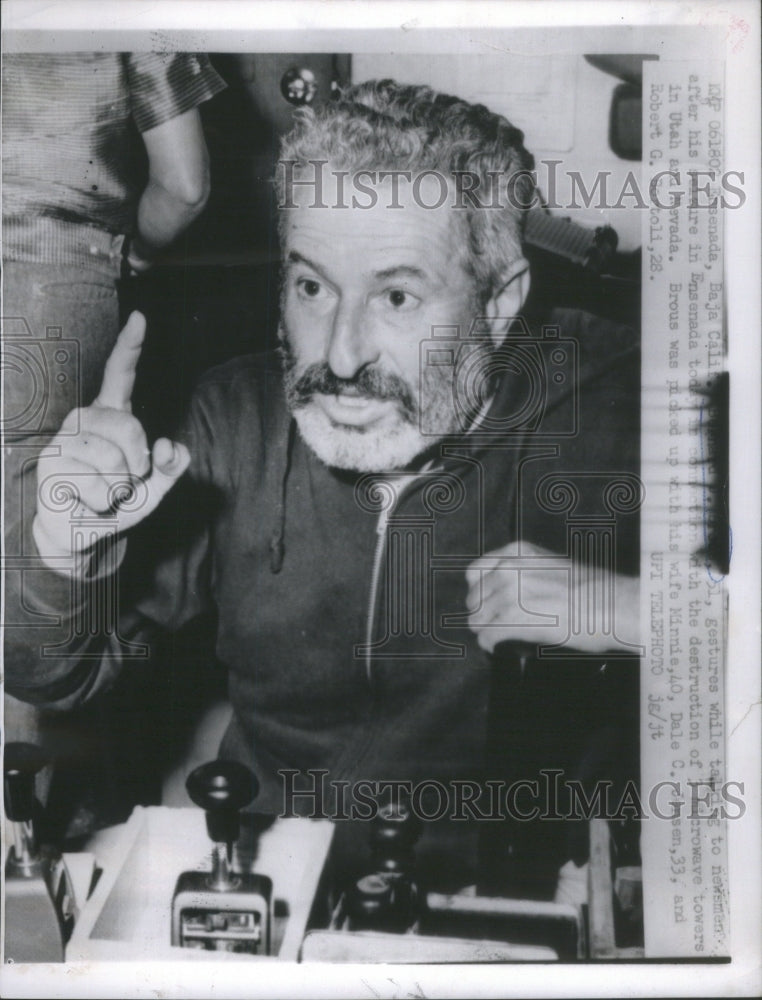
<point x="340" y="598"/>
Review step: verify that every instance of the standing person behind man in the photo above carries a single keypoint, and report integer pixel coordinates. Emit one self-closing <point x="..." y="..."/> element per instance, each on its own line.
<point x="104" y="166"/>
<point x="354" y="509"/>
<point x="80" y="206"/>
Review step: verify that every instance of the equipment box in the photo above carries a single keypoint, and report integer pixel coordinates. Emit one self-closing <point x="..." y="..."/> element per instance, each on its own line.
<point x="129" y="913"/>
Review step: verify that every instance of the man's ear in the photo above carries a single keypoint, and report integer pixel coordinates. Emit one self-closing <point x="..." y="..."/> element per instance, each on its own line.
<point x="506" y="304"/>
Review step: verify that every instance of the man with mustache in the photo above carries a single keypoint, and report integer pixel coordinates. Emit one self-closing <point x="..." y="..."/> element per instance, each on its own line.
<point x="372" y="513"/>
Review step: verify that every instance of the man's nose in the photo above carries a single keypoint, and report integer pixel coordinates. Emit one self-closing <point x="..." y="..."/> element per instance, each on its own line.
<point x="351" y="346"/>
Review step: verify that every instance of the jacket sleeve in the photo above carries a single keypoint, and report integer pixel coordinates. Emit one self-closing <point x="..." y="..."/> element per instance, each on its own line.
<point x="66" y="639"/>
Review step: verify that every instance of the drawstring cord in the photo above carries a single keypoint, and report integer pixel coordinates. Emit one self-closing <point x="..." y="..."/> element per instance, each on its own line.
<point x="277" y="539"/>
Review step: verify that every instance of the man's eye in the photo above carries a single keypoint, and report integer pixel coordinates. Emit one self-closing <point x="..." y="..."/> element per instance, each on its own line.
<point x="309" y="288"/>
<point x="400" y="300"/>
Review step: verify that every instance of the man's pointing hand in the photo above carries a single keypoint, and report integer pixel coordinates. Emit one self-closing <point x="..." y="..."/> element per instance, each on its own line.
<point x="98" y="476"/>
<point x="119" y="372"/>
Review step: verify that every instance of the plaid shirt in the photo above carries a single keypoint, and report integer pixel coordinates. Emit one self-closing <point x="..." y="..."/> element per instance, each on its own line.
<point x="74" y="166"/>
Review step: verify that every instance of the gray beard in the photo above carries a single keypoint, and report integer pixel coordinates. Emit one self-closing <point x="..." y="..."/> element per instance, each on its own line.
<point x="427" y="413"/>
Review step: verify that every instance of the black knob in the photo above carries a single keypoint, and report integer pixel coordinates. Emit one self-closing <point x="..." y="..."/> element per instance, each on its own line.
<point x="369" y="903"/>
<point x="395" y="826"/>
<point x="395" y="863"/>
<point x="21" y="762"/>
<point x="298" y="85"/>
<point x="222" y="788"/>
<point x="377" y="903"/>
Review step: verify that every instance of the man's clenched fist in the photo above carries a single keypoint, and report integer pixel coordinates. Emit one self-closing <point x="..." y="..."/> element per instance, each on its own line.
<point x="525" y="593"/>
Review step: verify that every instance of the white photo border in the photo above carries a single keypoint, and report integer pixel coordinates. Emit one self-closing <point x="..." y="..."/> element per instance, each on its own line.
<point x="335" y="25"/>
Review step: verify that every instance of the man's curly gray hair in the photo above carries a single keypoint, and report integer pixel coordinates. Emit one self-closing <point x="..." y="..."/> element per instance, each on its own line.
<point x="383" y="125"/>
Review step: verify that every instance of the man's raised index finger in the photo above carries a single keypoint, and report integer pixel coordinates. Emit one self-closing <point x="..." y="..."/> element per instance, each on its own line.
<point x="119" y="373"/>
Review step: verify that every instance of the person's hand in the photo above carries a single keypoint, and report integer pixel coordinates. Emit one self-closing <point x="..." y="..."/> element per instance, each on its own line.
<point x="541" y="598"/>
<point x="135" y="259"/>
<point x="98" y="471"/>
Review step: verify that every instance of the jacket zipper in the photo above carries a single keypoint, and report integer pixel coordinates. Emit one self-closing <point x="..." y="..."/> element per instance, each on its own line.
<point x="383" y="521"/>
<point x="378" y="555"/>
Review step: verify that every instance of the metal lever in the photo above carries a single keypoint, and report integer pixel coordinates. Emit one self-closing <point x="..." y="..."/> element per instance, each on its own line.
<point x="222" y="910"/>
<point x="38" y="894"/>
<point x="222" y="788"/>
<point x="21" y="763"/>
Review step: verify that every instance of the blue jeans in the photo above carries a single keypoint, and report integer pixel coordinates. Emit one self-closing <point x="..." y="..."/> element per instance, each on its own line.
<point x="59" y="325"/>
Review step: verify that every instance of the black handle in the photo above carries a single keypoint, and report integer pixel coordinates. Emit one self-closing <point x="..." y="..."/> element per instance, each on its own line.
<point x="21" y="762"/>
<point x="222" y="788"/>
<point x="395" y="826"/>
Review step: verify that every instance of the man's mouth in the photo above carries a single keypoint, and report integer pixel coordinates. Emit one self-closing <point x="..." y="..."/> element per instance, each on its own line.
<point x="370" y="395"/>
<point x="352" y="407"/>
<point x="353" y="395"/>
